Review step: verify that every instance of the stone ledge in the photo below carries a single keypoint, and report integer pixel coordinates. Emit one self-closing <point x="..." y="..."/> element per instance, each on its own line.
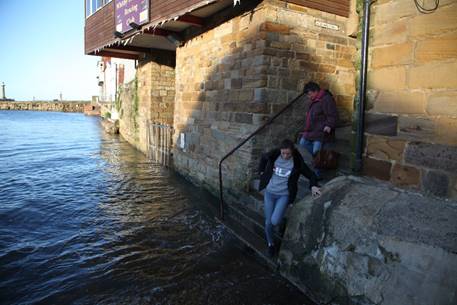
<point x="372" y="243"/>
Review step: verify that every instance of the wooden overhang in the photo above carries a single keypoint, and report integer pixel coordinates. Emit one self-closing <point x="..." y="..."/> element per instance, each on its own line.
<point x="167" y="19"/>
<point x="337" y="7"/>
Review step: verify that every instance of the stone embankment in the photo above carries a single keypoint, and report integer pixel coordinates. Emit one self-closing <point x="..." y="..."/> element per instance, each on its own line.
<point x="67" y="106"/>
<point x="366" y="242"/>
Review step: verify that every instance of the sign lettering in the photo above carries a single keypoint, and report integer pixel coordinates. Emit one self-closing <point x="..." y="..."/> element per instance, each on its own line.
<point x="128" y="11"/>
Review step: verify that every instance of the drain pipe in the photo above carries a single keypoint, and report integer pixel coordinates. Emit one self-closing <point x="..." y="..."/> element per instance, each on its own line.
<point x="362" y="87"/>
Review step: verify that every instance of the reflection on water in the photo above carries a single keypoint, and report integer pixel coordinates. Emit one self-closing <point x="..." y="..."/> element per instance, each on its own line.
<point x="87" y="219"/>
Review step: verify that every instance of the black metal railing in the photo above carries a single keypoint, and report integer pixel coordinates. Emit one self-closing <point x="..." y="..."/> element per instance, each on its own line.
<point x="270" y="120"/>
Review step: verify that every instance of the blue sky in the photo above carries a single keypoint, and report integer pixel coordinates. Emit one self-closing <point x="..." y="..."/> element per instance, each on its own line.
<point x="42" y="50"/>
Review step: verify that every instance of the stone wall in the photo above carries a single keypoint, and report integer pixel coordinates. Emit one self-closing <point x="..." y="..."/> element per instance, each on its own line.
<point x="230" y="79"/>
<point x="412" y="82"/>
<point x="366" y="242"/>
<point x="70" y="106"/>
<point x="147" y="99"/>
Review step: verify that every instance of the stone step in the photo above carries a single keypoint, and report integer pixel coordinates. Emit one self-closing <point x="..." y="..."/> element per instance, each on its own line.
<point x="253" y="221"/>
<point x="250" y="239"/>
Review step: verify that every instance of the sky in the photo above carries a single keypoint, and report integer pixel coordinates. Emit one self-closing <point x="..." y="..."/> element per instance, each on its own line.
<point x="42" y="50"/>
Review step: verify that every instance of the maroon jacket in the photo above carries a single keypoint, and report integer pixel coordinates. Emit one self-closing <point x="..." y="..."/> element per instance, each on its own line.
<point x="322" y="112"/>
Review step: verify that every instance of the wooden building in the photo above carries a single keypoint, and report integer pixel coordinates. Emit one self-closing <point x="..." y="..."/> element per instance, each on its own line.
<point x="166" y="18"/>
<point x="215" y="70"/>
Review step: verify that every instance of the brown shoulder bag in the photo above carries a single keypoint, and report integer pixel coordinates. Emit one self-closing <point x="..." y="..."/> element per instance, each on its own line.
<point x="326" y="158"/>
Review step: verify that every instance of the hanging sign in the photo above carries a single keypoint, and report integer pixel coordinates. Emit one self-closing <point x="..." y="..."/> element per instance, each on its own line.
<point x="128" y="11"/>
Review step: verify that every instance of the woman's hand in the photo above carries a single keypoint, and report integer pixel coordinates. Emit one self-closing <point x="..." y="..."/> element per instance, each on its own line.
<point x="315" y="192"/>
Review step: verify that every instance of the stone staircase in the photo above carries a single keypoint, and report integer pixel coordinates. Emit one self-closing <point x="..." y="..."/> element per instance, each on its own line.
<point x="245" y="216"/>
<point x="245" y="219"/>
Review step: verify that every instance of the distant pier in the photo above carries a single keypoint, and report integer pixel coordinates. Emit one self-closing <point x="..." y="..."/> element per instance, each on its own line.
<point x="59" y="106"/>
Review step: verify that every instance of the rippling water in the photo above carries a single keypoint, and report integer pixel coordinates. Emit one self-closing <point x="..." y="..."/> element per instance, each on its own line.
<point x="87" y="219"/>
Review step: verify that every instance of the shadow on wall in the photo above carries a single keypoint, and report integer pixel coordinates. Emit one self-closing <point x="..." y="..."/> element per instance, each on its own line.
<point x="230" y="79"/>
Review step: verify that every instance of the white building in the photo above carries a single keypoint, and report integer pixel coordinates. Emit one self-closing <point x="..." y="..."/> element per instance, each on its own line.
<point x="113" y="72"/>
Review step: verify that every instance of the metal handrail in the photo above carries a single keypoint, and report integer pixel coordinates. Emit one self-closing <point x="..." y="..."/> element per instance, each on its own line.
<point x="221" y="205"/>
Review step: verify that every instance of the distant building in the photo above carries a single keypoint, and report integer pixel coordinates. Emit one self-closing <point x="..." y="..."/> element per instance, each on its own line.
<point x="111" y="74"/>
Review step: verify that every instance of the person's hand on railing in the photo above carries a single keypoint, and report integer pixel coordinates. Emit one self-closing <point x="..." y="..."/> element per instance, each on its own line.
<point x="315" y="192"/>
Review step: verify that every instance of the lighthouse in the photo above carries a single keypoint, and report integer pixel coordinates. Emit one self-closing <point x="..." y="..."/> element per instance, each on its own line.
<point x="3" y="96"/>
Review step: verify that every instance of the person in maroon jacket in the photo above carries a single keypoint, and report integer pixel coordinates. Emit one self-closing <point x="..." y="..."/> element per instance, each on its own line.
<point x="320" y="120"/>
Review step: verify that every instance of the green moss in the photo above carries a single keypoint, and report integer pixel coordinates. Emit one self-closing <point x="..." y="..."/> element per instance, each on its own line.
<point x="135" y="106"/>
<point x="118" y="100"/>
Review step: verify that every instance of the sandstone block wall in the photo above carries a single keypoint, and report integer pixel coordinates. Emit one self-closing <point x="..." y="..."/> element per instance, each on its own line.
<point x="412" y="82"/>
<point x="147" y="99"/>
<point x="230" y="79"/>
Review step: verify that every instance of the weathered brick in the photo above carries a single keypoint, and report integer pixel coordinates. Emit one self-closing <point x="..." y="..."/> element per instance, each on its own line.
<point x="442" y="103"/>
<point x="441" y="21"/>
<point x="280" y="45"/>
<point x="381" y="124"/>
<point x="393" y="10"/>
<point x="434" y="75"/>
<point x="223" y="29"/>
<point x="400" y="102"/>
<point x="254" y="83"/>
<point x="398" y="54"/>
<point x="246" y="95"/>
<point x="304" y="56"/>
<point x="325" y="68"/>
<point x="394" y="32"/>
<point x="446" y="130"/>
<point x="377" y="168"/>
<point x="289" y="84"/>
<point x="236" y="83"/>
<point x="405" y="175"/>
<point x="435" y="183"/>
<point x="387" y="79"/>
<point x="333" y="38"/>
<point x="346" y="63"/>
<point x="416" y="128"/>
<point x="385" y="148"/>
<point x="436" y="49"/>
<point x="434" y="156"/>
<point x="344" y="101"/>
<point x="275" y="27"/>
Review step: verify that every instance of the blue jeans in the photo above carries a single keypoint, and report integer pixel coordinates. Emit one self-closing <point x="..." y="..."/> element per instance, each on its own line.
<point x="274" y="207"/>
<point x="312" y="147"/>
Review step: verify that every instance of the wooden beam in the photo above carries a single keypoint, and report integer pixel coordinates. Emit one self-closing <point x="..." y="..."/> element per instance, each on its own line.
<point x="128" y="48"/>
<point x="116" y="55"/>
<point x="158" y="32"/>
<point x="337" y="7"/>
<point x="192" y="20"/>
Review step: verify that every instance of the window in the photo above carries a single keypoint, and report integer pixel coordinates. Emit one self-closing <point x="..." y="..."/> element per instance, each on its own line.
<point x="94" y="5"/>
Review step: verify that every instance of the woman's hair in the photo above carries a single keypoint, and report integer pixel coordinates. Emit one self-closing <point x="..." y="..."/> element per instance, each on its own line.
<point x="286" y="143"/>
<point x="311" y="86"/>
